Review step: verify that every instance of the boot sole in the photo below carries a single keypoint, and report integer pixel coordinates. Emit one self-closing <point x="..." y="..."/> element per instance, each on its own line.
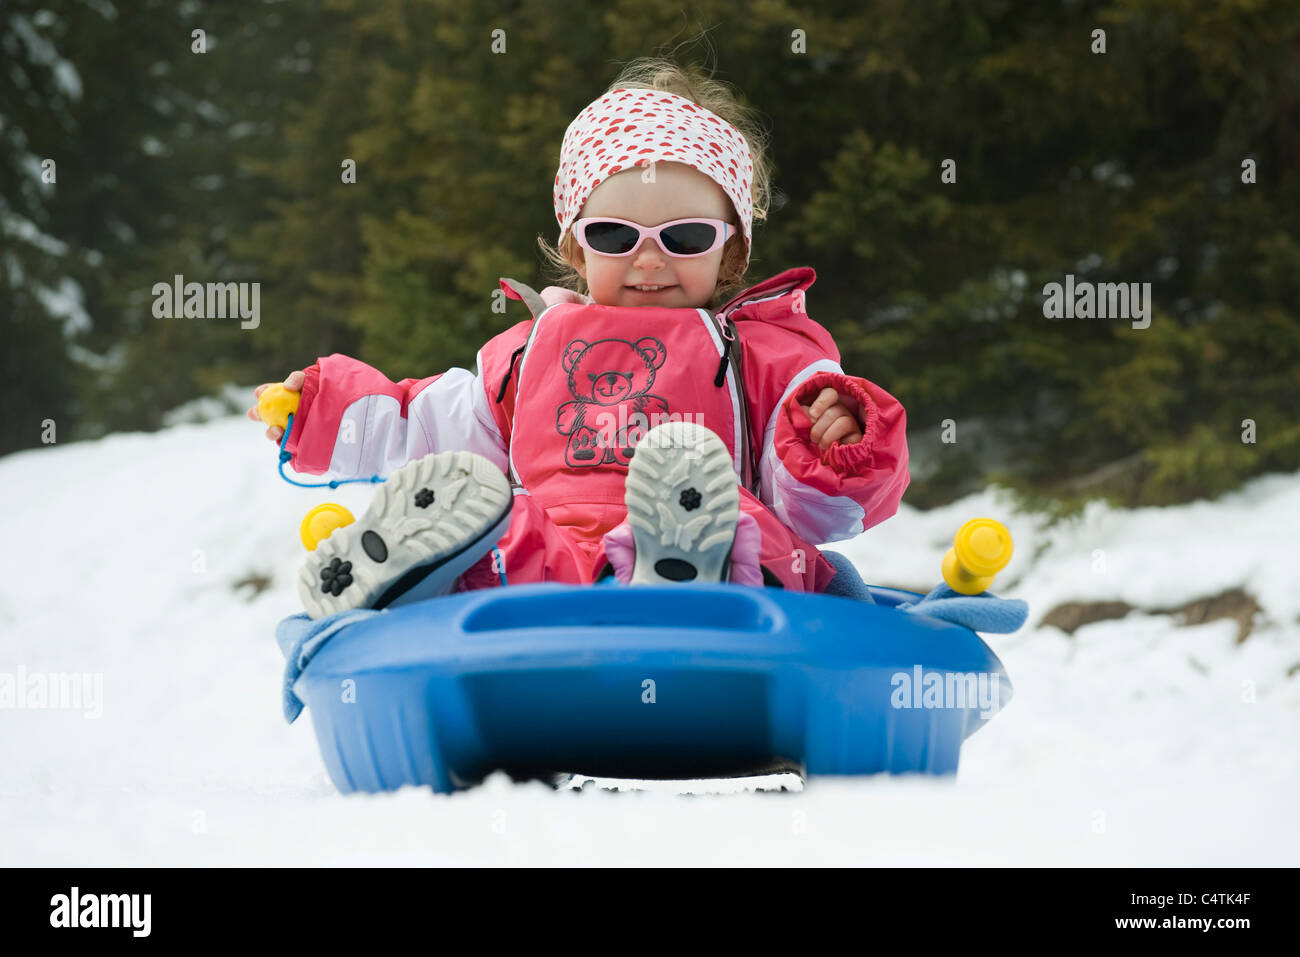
<point x="683" y="503"/>
<point x="426" y="525"/>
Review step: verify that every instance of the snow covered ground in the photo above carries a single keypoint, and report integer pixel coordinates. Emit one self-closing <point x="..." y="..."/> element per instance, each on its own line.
<point x="1136" y="741"/>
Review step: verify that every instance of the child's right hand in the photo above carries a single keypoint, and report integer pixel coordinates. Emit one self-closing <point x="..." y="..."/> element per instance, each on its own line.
<point x="293" y="382"/>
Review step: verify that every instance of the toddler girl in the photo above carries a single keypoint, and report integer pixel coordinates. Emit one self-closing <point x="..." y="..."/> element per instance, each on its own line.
<point x="646" y="434"/>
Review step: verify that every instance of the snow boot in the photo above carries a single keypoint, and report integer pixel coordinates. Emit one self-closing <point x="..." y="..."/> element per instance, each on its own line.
<point x="683" y="505"/>
<point x="427" y="524"/>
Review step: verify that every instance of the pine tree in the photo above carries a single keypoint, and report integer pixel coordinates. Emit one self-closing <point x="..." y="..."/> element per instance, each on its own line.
<point x="938" y="163"/>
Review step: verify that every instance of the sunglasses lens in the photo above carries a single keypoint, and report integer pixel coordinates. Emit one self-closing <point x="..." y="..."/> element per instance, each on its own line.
<point x="689" y="239"/>
<point x="613" y="239"/>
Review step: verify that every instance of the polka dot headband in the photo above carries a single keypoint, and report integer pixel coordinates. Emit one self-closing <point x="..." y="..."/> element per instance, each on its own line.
<point x="630" y="128"/>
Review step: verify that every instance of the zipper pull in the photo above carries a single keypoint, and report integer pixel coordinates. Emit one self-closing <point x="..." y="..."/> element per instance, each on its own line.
<point x="727" y="332"/>
<point x="728" y="339"/>
<point x="721" y="377"/>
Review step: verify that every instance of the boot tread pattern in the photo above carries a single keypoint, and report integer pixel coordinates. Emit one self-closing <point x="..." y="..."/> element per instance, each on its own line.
<point x="683" y="503"/>
<point x="426" y="511"/>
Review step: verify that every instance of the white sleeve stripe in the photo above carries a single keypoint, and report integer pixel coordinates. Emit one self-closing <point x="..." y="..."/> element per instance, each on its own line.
<point x="453" y="411"/>
<point x="450" y="413"/>
<point x="814" y="515"/>
<point x="731" y="386"/>
<point x="768" y="455"/>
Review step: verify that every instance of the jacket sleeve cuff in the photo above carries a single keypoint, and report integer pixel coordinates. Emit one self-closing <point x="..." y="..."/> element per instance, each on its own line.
<point x="310" y="389"/>
<point x="844" y="460"/>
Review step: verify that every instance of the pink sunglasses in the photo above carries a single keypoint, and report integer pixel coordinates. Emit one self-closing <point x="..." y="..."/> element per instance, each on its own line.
<point x="681" y="239"/>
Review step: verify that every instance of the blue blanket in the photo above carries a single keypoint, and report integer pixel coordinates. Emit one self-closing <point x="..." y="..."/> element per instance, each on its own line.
<point x="983" y="612"/>
<point x="299" y="638"/>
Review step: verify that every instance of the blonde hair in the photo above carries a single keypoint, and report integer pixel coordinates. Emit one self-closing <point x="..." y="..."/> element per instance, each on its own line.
<point x="657" y="73"/>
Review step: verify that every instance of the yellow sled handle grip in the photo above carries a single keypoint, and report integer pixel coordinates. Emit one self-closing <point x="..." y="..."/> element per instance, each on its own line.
<point x="981" y="549"/>
<point x="276" y="404"/>
<point x="320" y="521"/>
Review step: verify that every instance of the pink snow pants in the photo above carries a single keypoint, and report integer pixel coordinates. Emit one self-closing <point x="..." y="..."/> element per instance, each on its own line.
<point x="565" y="543"/>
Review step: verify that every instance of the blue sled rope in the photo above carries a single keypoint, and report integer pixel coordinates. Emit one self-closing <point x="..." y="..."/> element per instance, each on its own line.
<point x="284" y="460"/>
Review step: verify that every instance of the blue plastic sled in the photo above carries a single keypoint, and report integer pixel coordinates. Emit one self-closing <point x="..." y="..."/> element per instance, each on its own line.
<point x="682" y="681"/>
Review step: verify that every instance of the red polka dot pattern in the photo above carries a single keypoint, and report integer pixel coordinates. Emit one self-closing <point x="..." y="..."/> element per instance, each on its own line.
<point x="615" y="129"/>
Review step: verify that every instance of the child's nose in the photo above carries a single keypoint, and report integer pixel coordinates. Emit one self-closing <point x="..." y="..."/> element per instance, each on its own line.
<point x="649" y="255"/>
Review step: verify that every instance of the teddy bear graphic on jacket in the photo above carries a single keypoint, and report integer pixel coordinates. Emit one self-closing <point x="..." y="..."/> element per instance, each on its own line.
<point x="610" y="381"/>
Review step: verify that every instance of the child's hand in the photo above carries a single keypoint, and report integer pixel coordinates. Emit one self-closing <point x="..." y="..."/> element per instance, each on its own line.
<point x="294" y="384"/>
<point x="832" y="420"/>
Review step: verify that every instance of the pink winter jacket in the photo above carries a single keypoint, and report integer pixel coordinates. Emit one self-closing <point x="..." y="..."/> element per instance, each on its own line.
<point x="353" y="422"/>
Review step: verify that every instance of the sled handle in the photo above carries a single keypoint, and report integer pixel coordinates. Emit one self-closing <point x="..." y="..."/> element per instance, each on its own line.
<point x="276" y="404"/>
<point x="317" y="524"/>
<point x="980" y="549"/>
<point x="604" y="607"/>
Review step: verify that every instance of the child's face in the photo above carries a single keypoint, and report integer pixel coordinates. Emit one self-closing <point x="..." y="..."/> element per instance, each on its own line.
<point x="677" y="192"/>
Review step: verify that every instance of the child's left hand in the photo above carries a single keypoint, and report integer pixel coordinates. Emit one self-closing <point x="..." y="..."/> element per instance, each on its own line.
<point x="832" y="420"/>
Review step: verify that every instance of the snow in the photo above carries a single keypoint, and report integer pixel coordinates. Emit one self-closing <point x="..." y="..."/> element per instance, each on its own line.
<point x="65" y="302"/>
<point x="40" y="50"/>
<point x="19" y="227"/>
<point x="31" y="165"/>
<point x="1134" y="742"/>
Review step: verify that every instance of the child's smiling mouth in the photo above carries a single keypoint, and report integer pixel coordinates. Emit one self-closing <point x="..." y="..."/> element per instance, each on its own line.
<point x="650" y="288"/>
